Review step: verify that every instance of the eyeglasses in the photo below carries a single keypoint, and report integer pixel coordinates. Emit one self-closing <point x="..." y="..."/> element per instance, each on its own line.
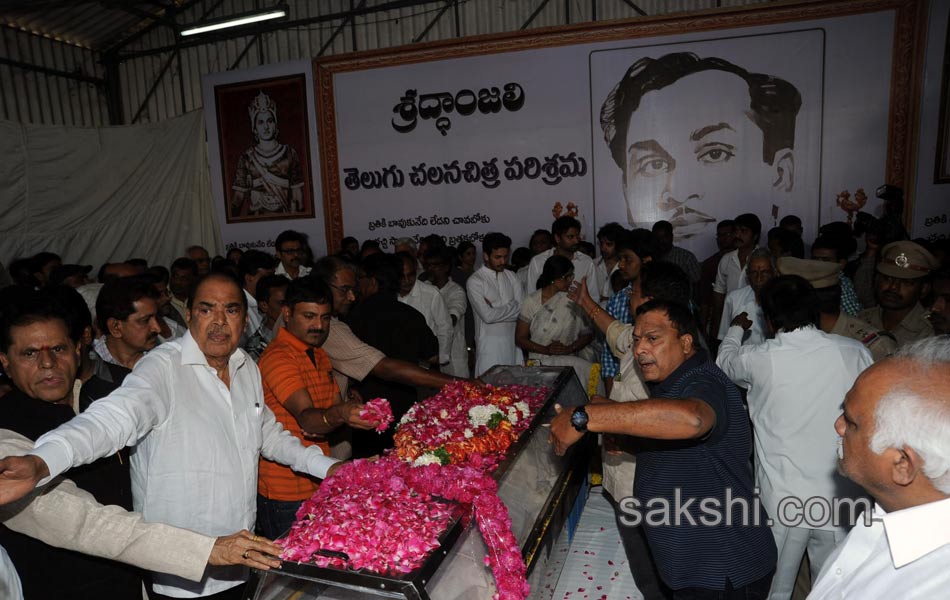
<point x="297" y="250"/>
<point x="346" y="290"/>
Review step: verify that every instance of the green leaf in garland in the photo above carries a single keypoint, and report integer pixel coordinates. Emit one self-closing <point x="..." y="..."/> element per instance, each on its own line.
<point x="443" y="455"/>
<point x="495" y="419"/>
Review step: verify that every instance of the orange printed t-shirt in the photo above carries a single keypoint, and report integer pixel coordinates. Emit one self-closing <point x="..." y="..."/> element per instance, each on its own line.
<point x="286" y="368"/>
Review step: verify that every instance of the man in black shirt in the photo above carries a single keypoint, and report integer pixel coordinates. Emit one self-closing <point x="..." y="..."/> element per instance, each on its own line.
<point x="396" y="329"/>
<point x="693" y="490"/>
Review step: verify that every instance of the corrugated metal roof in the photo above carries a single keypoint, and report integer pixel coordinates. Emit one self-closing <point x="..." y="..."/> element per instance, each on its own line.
<point x="158" y="83"/>
<point x="92" y="25"/>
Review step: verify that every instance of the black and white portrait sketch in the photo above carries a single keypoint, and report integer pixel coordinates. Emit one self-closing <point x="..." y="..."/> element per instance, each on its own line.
<point x="694" y="137"/>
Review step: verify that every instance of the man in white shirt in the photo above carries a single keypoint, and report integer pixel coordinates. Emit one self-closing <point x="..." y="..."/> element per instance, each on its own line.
<point x="438" y="264"/>
<point x="425" y="298"/>
<point x="760" y="270"/>
<point x="730" y="275"/>
<point x="252" y="266"/>
<point x="195" y="412"/>
<point x="795" y="383"/>
<point x="894" y="443"/>
<point x="567" y="233"/>
<point x="291" y="248"/>
<point x="496" y="298"/>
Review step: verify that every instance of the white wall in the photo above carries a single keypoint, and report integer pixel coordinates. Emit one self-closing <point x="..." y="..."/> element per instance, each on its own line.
<point x="931" y="199"/>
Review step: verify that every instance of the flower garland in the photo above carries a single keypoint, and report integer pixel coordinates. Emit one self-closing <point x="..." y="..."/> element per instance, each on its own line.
<point x="465" y="422"/>
<point x="386" y="516"/>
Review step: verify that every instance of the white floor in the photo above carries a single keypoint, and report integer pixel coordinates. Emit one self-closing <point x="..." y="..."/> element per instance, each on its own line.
<point x="595" y="566"/>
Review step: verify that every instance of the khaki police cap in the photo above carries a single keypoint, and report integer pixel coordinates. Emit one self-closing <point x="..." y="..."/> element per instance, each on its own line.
<point x="819" y="273"/>
<point x="906" y="260"/>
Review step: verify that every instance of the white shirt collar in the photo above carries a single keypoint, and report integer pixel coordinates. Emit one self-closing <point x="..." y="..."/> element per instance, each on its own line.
<point x="191" y="354"/>
<point x="915" y="532"/>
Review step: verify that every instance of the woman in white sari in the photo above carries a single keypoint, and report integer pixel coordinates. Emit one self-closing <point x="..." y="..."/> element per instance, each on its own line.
<point x="551" y="327"/>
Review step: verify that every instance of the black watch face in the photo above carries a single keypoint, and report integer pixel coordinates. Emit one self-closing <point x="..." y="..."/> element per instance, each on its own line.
<point x="579" y="419"/>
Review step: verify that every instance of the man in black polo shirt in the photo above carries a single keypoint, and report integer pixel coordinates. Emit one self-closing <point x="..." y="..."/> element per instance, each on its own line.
<point x="693" y="488"/>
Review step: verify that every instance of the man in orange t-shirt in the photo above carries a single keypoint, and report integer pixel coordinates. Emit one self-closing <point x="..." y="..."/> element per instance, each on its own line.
<point x="300" y="389"/>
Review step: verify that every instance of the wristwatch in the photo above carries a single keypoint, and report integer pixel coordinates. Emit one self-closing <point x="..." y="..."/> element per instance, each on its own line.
<point x="579" y="419"/>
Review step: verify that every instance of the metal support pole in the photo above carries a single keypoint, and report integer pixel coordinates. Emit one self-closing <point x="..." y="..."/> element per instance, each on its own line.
<point x="432" y="23"/>
<point x="534" y="15"/>
<point x="151" y="91"/>
<point x="458" y="26"/>
<point x="181" y="82"/>
<point x="349" y="18"/>
<point x="113" y="89"/>
<point x="639" y="10"/>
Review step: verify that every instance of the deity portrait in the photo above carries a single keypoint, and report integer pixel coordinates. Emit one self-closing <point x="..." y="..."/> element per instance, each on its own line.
<point x="265" y="177"/>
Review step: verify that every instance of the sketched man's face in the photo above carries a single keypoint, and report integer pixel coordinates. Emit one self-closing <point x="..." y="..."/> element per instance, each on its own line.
<point x="694" y="155"/>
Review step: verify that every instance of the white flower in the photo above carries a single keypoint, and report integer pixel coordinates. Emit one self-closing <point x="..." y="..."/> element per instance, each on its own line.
<point x="468" y="434"/>
<point x="444" y="414"/>
<point x="513" y="416"/>
<point x="481" y="414"/>
<point x="523" y="407"/>
<point x="426" y="459"/>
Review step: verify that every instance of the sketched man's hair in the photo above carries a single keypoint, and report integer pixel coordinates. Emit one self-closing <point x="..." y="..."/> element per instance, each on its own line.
<point x="773" y="103"/>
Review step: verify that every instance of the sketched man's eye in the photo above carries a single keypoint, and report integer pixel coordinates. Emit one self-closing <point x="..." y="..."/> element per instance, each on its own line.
<point x="716" y="154"/>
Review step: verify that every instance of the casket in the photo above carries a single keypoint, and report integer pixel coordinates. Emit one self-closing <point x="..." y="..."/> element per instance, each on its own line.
<point x="541" y="491"/>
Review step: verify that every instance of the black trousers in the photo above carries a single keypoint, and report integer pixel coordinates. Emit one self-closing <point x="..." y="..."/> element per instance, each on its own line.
<point x="640" y="559"/>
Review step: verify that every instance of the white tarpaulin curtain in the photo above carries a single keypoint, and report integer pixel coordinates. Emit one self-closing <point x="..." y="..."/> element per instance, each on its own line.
<point x="96" y="195"/>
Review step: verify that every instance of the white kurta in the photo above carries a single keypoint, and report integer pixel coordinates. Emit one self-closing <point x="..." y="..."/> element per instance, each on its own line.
<point x="797" y="383"/>
<point x="455" y="302"/>
<point x="739" y="301"/>
<point x="496" y="301"/>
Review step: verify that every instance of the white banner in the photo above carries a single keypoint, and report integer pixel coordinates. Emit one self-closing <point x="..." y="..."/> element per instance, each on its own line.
<point x="504" y="141"/>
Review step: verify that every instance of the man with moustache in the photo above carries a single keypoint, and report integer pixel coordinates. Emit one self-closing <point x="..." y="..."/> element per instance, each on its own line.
<point x="194" y="409"/>
<point x="300" y="389"/>
<point x="901" y="281"/>
<point x="699" y="448"/>
<point x="39" y="351"/>
<point x="567" y="233"/>
<point x="127" y="317"/>
<point x="894" y="444"/>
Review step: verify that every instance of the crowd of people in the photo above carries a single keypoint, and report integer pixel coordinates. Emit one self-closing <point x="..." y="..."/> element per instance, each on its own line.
<point x="213" y="395"/>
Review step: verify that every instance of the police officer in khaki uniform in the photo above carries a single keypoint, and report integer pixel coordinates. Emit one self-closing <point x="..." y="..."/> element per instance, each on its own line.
<point x="823" y="276"/>
<point x="902" y="279"/>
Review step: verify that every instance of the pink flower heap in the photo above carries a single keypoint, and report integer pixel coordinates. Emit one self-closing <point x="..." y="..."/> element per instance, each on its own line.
<point x="382" y="515"/>
<point x="378" y="409"/>
<point x="368" y="512"/>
